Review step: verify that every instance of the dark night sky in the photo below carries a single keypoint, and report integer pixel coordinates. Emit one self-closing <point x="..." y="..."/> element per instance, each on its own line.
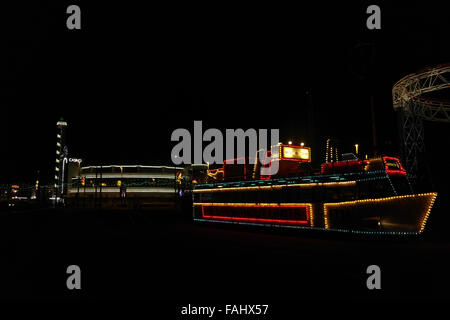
<point x="133" y="74"/>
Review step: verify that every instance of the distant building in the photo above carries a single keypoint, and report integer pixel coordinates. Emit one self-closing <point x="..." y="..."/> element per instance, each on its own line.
<point x="126" y="186"/>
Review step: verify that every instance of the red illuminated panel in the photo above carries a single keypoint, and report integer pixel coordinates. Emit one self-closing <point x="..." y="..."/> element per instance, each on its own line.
<point x="394" y="167"/>
<point x="343" y="166"/>
<point x="293" y="214"/>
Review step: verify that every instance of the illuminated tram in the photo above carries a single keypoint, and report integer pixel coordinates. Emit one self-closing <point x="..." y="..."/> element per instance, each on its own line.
<point x="352" y="195"/>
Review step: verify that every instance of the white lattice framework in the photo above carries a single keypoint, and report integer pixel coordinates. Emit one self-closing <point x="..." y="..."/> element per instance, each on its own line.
<point x="409" y="90"/>
<point x="414" y="107"/>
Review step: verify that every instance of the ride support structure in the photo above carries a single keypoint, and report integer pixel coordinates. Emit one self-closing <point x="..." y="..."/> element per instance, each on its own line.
<point x="411" y="99"/>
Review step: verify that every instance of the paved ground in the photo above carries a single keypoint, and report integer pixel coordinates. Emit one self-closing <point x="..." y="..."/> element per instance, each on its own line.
<point x="155" y="255"/>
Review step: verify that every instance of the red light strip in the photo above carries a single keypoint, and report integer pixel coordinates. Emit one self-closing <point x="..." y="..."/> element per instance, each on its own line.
<point x="390" y="172"/>
<point x="307" y="207"/>
<point x="298" y="160"/>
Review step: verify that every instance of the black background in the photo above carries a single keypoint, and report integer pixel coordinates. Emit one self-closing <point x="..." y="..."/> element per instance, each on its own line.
<point x="134" y="73"/>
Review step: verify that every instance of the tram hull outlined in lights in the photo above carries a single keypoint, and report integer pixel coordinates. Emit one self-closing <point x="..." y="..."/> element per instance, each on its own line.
<point x="358" y="196"/>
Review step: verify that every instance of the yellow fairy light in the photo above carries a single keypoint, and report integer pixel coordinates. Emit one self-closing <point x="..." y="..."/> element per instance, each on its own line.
<point x="424" y="221"/>
<point x="432" y="197"/>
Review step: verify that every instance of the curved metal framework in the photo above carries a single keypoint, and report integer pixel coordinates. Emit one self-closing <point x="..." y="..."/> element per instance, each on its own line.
<point x="409" y="90"/>
<point x="413" y="107"/>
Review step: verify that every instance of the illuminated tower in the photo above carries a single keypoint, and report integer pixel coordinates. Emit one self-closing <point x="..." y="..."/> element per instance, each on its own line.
<point x="331" y="151"/>
<point x="61" y="157"/>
